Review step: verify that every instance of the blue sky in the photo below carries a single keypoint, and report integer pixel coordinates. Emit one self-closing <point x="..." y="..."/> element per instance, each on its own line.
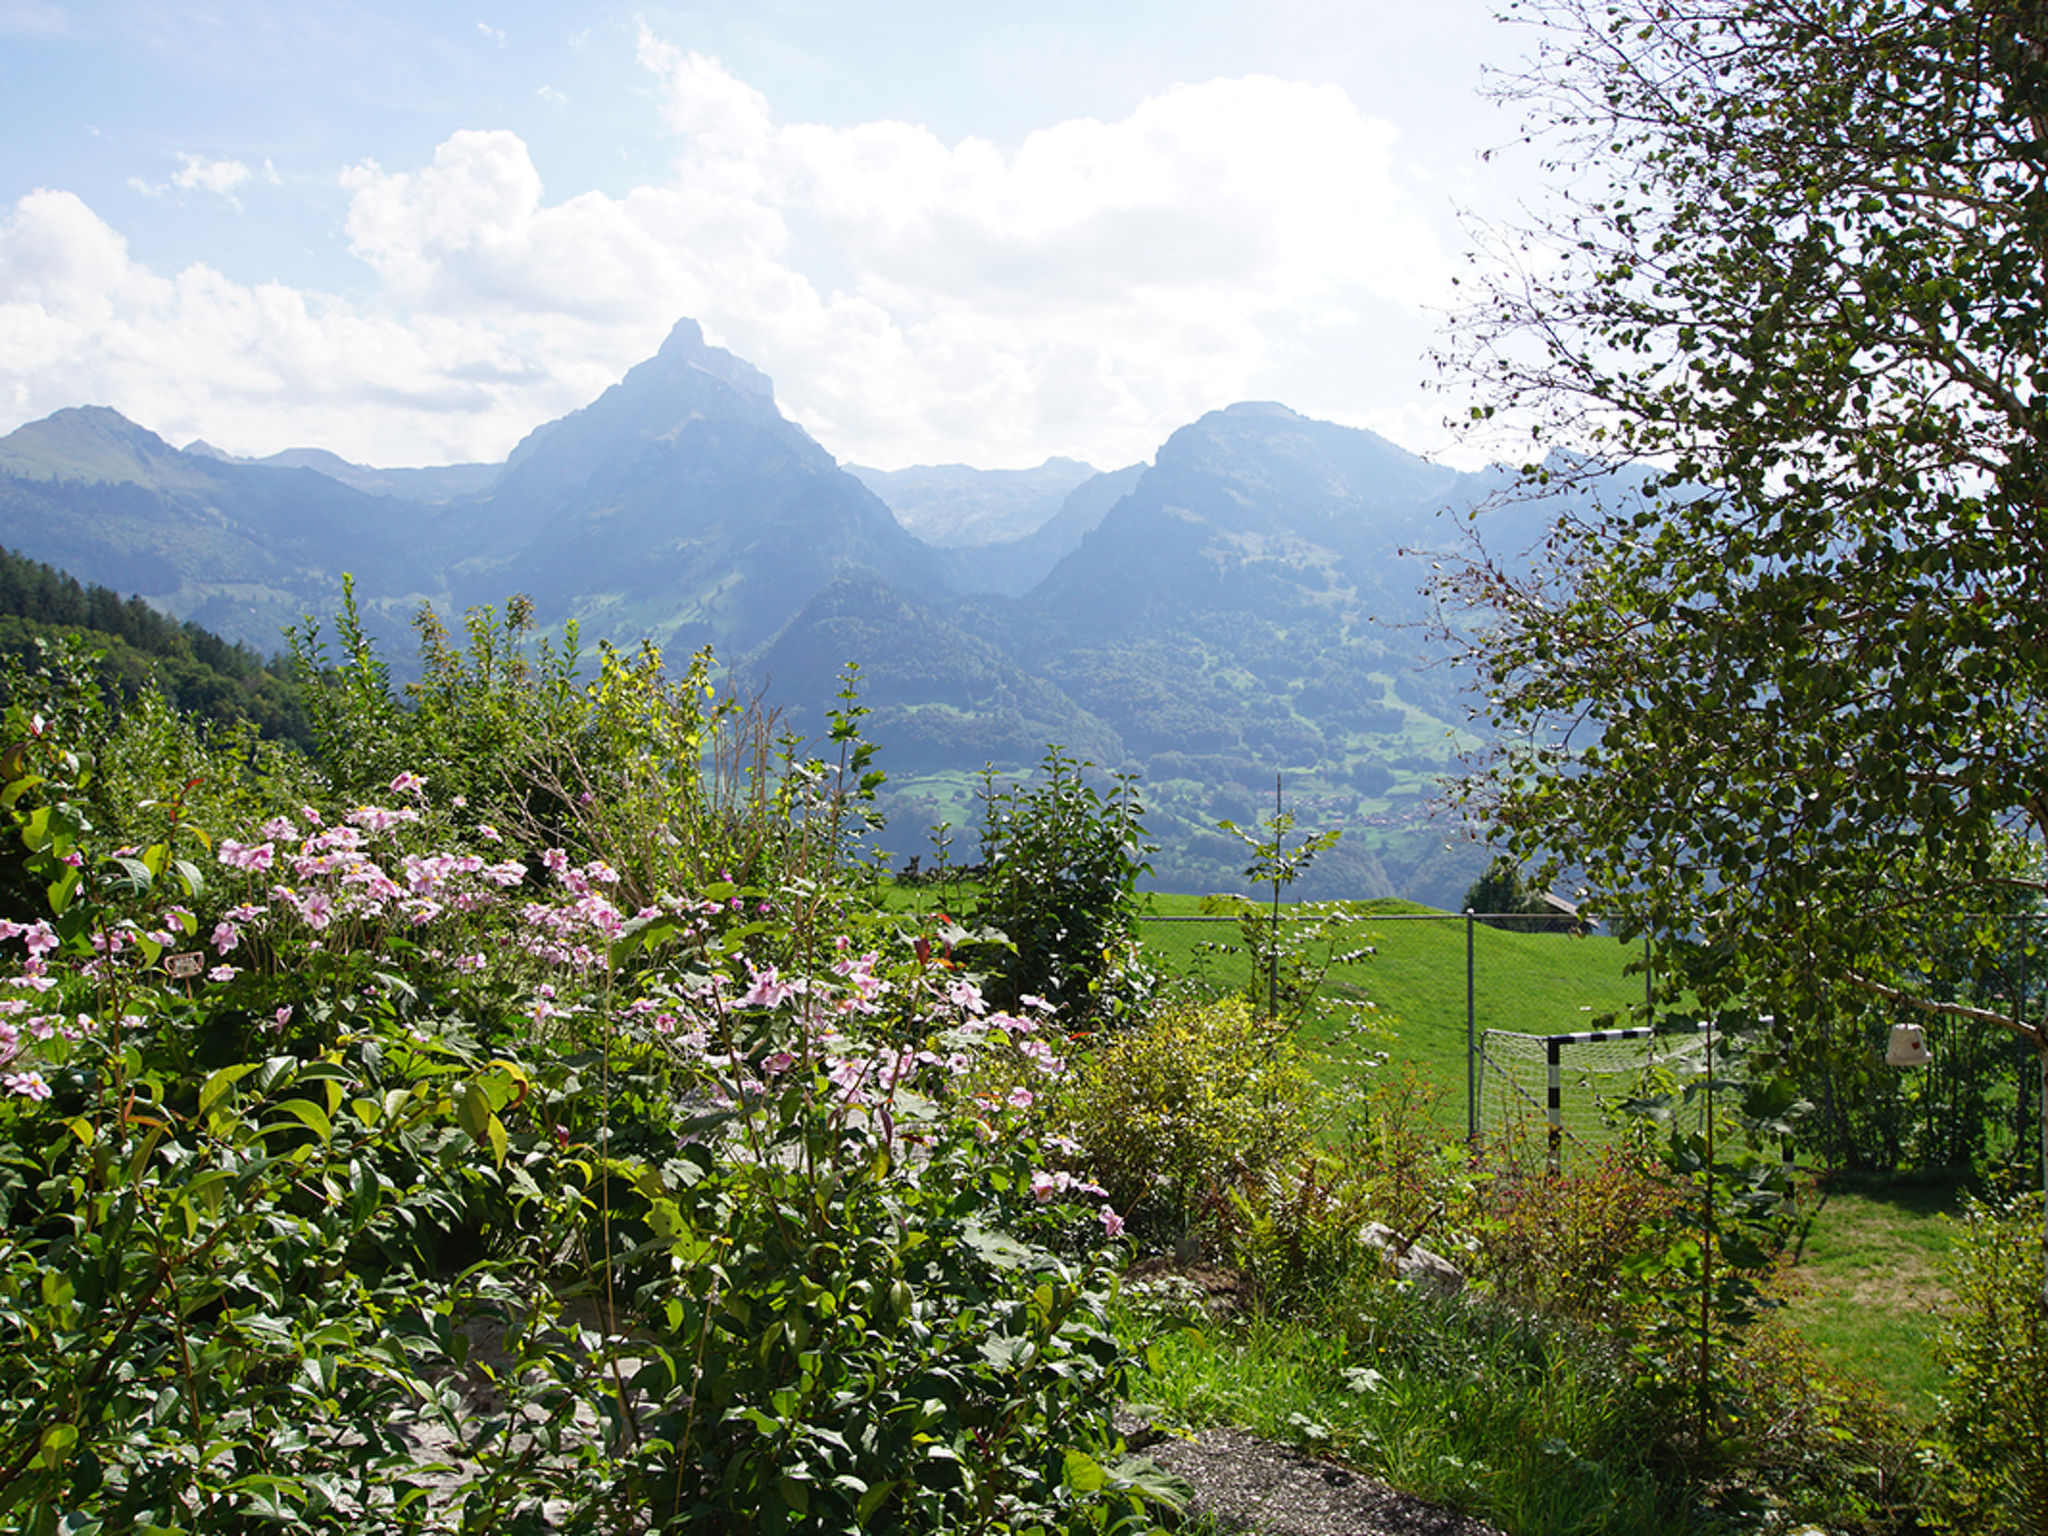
<point x="980" y="233"/>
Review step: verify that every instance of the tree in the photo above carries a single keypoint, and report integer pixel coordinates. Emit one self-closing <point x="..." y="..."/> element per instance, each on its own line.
<point x="1505" y="898"/>
<point x="1779" y="683"/>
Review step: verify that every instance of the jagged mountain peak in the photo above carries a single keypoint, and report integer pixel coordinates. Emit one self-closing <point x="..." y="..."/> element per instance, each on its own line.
<point x="685" y="347"/>
<point x="1292" y="466"/>
<point x="685" y="383"/>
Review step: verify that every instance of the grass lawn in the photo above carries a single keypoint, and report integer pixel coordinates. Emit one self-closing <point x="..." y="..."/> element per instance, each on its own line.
<point x="1863" y="1285"/>
<point x="1538" y="983"/>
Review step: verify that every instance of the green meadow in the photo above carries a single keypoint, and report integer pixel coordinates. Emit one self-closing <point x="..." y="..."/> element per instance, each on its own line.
<point x="1414" y="981"/>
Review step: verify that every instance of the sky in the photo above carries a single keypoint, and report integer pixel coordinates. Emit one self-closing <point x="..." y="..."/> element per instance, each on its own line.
<point x="986" y="234"/>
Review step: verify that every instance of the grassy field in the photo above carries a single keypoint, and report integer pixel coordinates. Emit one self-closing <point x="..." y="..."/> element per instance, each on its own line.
<point x="1537" y="983"/>
<point x="1863" y="1285"/>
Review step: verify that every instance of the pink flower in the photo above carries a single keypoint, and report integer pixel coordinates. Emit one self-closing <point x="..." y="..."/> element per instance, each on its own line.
<point x="29" y="1085"/>
<point x="777" y="1064"/>
<point x="222" y="973"/>
<point x="377" y="819"/>
<point x="1045" y="1185"/>
<point x="408" y="784"/>
<point x="1021" y="1098"/>
<point x="768" y="989"/>
<point x="1112" y="1224"/>
<point x="41" y="938"/>
<point x="226" y="936"/>
<point x="253" y="858"/>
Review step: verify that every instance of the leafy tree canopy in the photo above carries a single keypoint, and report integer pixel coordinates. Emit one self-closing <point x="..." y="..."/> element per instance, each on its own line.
<point x="1779" y="688"/>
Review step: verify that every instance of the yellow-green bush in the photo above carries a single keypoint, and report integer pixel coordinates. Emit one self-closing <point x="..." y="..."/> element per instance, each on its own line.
<point x="1201" y="1096"/>
<point x="1994" y="1343"/>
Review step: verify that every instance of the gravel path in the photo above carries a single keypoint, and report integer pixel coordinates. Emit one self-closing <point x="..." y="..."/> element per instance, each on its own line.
<point x="1247" y="1483"/>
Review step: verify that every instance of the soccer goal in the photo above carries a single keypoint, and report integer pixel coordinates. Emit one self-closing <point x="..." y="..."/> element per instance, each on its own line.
<point x="1572" y="1085"/>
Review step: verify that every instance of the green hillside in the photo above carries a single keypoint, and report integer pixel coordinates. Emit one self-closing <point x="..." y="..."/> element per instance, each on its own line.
<point x="1538" y="983"/>
<point x="197" y="671"/>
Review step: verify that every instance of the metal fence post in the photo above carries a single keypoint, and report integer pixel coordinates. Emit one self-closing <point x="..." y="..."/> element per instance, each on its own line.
<point x="1471" y="1039"/>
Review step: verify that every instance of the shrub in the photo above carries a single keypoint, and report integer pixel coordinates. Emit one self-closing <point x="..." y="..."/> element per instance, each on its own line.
<point x="1994" y="1345"/>
<point x="1812" y="1447"/>
<point x="1200" y="1097"/>
<point x="1570" y="1242"/>
<point x="1062" y="862"/>
<point x="1298" y="1231"/>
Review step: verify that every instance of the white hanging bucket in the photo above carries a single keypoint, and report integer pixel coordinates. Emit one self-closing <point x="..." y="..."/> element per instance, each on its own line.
<point x="1908" y="1047"/>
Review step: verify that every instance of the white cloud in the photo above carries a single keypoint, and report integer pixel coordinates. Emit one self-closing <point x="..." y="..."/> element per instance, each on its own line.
<point x="198" y="174"/>
<point x="495" y="34"/>
<point x="551" y="96"/>
<point x="1084" y="291"/>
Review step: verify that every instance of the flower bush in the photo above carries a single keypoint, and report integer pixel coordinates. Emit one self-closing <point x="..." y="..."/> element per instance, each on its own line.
<point x="304" y="1076"/>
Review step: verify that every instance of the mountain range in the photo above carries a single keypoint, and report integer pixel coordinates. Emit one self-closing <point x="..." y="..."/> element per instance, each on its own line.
<point x="1245" y="606"/>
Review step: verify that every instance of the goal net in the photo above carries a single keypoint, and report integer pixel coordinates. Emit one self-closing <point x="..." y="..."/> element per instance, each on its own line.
<point x="1568" y="1090"/>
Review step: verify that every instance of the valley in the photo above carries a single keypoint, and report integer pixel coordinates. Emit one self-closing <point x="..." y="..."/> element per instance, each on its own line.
<point x="1244" y="607"/>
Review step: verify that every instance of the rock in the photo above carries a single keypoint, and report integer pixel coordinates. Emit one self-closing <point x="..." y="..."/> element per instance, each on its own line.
<point x="1414" y="1263"/>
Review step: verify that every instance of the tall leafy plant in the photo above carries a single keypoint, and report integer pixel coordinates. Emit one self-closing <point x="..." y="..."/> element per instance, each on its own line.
<point x="1062" y="860"/>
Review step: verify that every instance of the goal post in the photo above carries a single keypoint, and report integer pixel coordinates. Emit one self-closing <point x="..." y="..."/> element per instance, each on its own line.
<point x="1571" y="1082"/>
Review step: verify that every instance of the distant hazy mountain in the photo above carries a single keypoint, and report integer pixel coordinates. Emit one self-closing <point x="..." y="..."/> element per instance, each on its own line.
<point x="681" y="505"/>
<point x="1239" y="608"/>
<point x="438" y="482"/>
<point x="943" y="697"/>
<point x="1016" y="566"/>
<point x="955" y="506"/>
<point x="242" y="549"/>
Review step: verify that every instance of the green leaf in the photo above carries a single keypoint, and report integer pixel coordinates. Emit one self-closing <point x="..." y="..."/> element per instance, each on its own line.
<point x="872" y="1501"/>
<point x="54" y="1445"/>
<point x="194" y="883"/>
<point x="1084" y="1474"/>
<point x="63" y="888"/>
<point x="218" y="1083"/>
<point x="311" y="1115"/>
